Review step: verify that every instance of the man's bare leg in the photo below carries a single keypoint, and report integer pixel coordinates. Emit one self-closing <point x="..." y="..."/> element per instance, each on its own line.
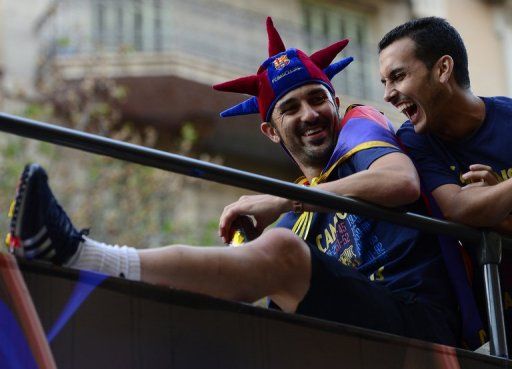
<point x="277" y="264"/>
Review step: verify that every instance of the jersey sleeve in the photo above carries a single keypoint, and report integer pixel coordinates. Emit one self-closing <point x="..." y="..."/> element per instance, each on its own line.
<point x="363" y="130"/>
<point x="434" y="170"/>
<point x="363" y="159"/>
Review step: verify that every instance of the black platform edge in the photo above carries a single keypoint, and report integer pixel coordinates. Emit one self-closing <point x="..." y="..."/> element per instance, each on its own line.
<point x="204" y="302"/>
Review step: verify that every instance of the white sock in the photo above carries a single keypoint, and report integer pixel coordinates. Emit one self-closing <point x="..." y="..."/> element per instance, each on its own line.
<point x="107" y="259"/>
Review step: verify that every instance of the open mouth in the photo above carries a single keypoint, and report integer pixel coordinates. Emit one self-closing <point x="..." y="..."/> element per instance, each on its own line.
<point x="315" y="135"/>
<point x="313" y="131"/>
<point x="410" y="110"/>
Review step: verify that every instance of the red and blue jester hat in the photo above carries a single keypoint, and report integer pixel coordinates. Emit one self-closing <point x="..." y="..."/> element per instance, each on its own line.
<point x="283" y="71"/>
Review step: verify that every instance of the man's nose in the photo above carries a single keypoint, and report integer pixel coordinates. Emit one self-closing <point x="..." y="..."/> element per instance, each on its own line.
<point x="309" y="114"/>
<point x="389" y="93"/>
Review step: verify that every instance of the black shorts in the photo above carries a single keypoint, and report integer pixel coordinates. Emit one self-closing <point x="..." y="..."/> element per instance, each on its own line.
<point x="342" y="294"/>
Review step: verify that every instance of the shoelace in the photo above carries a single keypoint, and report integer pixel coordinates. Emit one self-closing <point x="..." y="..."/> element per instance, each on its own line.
<point x="61" y="224"/>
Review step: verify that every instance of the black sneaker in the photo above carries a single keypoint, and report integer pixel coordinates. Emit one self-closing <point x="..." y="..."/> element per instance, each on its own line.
<point x="40" y="229"/>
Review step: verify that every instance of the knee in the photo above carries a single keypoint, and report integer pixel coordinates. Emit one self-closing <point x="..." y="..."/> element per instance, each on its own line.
<point x="289" y="262"/>
<point x="287" y="251"/>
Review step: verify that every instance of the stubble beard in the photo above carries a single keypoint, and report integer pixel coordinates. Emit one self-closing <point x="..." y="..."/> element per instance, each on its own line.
<point x="318" y="156"/>
<point x="431" y="108"/>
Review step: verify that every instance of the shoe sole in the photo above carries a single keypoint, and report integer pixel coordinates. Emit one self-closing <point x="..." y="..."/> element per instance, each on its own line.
<point x="19" y="208"/>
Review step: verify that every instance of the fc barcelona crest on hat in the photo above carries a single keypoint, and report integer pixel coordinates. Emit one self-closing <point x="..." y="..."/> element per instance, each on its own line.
<point x="281" y="62"/>
<point x="283" y="71"/>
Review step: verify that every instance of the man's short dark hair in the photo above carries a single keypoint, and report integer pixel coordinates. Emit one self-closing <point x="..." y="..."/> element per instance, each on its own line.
<point x="433" y="37"/>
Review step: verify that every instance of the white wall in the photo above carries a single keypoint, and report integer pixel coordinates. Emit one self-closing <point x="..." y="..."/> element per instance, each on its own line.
<point x="18" y="42"/>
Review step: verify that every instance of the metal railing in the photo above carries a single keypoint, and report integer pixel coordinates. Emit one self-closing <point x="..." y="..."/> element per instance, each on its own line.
<point x="490" y="244"/>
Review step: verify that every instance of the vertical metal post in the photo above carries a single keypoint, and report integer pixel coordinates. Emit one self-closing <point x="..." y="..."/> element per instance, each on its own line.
<point x="490" y="258"/>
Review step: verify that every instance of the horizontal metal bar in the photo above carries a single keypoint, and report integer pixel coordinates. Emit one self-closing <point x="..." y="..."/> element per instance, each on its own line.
<point x="225" y="175"/>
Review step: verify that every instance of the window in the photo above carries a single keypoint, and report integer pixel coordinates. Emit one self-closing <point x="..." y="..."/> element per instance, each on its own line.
<point x="120" y="25"/>
<point x="157" y="23"/>
<point x="100" y="18"/>
<point x="326" y="24"/>
<point x="135" y="23"/>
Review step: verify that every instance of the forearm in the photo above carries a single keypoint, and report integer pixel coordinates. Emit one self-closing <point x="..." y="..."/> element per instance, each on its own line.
<point x="481" y="206"/>
<point x="388" y="187"/>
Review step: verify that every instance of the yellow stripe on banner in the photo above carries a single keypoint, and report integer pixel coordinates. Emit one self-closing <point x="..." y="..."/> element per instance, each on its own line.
<point x="308" y="226"/>
<point x="298" y="225"/>
<point x="304" y="226"/>
<point x="301" y="226"/>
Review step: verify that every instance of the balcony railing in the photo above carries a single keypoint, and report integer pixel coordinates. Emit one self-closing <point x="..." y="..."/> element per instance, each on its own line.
<point x="225" y="37"/>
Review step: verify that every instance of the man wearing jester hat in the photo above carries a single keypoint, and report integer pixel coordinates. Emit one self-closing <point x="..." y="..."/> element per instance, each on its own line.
<point x="330" y="265"/>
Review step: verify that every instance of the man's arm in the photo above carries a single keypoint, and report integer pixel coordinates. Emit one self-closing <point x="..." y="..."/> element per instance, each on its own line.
<point x="390" y="180"/>
<point x="483" y="203"/>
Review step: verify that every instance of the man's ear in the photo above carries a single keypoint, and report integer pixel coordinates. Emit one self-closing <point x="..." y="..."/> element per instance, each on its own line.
<point x="444" y="67"/>
<point x="337" y="101"/>
<point x="268" y="130"/>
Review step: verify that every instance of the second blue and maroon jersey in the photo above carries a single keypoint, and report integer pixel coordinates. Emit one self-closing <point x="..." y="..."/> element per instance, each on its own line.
<point x="439" y="162"/>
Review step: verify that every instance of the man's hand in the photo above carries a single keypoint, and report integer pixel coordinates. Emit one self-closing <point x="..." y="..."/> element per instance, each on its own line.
<point x="480" y="175"/>
<point x="486" y="202"/>
<point x="264" y="208"/>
